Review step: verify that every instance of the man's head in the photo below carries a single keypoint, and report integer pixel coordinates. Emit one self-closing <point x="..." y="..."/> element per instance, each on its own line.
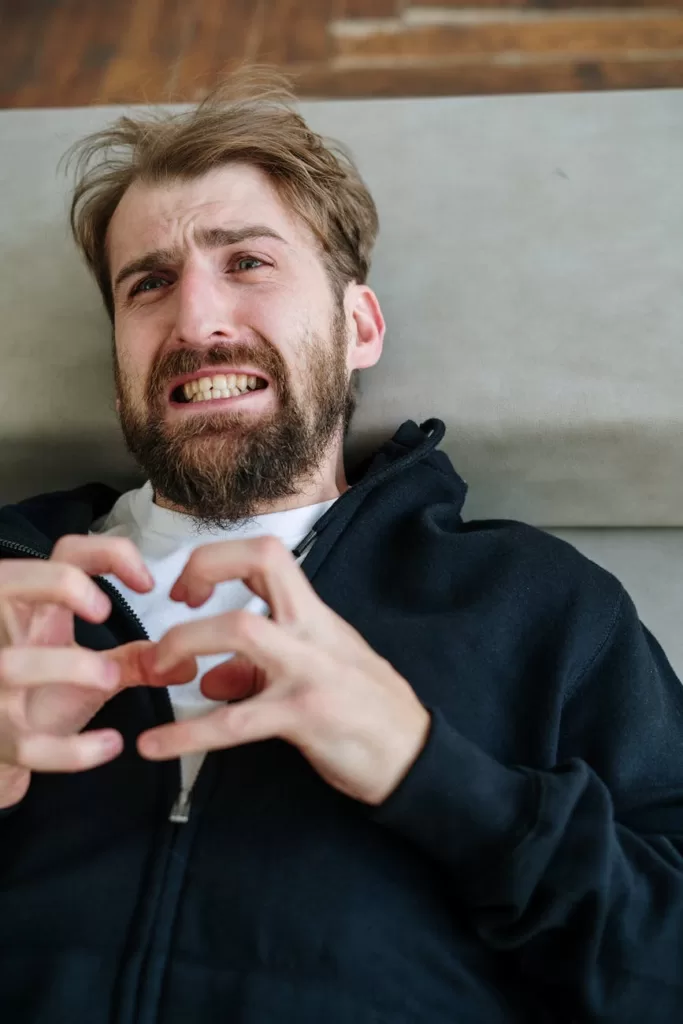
<point x="231" y="242"/>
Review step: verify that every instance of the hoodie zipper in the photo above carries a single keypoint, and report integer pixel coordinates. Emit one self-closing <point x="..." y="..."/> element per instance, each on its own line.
<point x="22" y="549"/>
<point x="180" y="811"/>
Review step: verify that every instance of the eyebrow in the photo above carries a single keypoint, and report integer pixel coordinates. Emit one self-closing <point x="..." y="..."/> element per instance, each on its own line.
<point x="205" y="238"/>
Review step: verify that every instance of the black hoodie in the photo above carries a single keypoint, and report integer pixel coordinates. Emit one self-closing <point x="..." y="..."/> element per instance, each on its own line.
<point x="529" y="868"/>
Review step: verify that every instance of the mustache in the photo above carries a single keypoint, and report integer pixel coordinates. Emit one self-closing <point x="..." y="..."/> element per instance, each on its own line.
<point x="191" y="360"/>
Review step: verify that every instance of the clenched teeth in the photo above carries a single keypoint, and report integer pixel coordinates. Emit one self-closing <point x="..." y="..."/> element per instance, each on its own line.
<point x="220" y="386"/>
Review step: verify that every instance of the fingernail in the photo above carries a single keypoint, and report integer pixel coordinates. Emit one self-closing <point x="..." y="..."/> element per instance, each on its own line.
<point x="100" y="604"/>
<point x="150" y="747"/>
<point x="111" y="743"/>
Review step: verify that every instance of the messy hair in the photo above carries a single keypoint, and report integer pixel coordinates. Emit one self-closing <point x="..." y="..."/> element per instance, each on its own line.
<point x="249" y="118"/>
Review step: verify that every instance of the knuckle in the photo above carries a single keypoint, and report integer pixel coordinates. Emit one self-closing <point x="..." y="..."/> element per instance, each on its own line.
<point x="122" y="546"/>
<point x="196" y="567"/>
<point x="172" y="643"/>
<point x="7" y="665"/>
<point x="84" y="665"/>
<point x="233" y="721"/>
<point x="22" y="753"/>
<point x="225" y="718"/>
<point x="245" y="624"/>
<point x="310" y="701"/>
<point x="270" y="550"/>
<point x="13" y="715"/>
<point x="204" y="557"/>
<point x="70" y="581"/>
<point x="201" y="557"/>
<point x="66" y="547"/>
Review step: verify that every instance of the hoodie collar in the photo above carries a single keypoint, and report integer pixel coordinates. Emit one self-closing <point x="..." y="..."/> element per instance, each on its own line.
<point x="39" y="522"/>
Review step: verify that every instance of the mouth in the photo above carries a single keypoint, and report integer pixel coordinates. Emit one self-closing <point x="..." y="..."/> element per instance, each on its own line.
<point x="214" y="387"/>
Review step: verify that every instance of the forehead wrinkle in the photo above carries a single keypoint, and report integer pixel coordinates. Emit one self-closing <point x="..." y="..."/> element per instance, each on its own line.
<point x="217" y="237"/>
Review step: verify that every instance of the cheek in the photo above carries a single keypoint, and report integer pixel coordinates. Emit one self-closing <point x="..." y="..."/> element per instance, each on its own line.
<point x="134" y="350"/>
<point x="267" y="313"/>
<point x="131" y="376"/>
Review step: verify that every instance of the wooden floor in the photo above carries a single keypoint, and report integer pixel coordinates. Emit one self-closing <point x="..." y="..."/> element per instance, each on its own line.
<point x="73" y="52"/>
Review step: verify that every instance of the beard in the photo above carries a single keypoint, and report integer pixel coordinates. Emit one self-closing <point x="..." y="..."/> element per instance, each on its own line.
<point x="223" y="468"/>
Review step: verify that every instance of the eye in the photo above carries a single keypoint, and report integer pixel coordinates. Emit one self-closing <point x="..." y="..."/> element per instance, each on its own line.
<point x="148" y="284"/>
<point x="243" y="263"/>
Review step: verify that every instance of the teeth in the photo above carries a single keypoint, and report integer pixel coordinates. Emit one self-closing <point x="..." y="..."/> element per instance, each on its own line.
<point x="221" y="386"/>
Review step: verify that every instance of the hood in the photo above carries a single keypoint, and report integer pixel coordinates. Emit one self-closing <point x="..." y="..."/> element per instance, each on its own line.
<point x="38" y="523"/>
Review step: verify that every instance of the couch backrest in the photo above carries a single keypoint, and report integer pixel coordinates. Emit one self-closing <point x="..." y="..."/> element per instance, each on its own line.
<point x="529" y="265"/>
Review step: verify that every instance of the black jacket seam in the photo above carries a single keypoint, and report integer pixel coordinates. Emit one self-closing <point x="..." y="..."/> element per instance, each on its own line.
<point x="588" y="664"/>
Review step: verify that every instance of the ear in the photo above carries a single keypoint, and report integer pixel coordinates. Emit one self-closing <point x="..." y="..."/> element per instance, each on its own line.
<point x="367" y="327"/>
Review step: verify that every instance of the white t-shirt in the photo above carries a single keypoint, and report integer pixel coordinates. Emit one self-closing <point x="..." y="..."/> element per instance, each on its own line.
<point x="166" y="540"/>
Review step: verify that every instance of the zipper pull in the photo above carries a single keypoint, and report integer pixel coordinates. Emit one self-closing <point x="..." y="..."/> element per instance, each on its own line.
<point x="180" y="812"/>
<point x="303" y="545"/>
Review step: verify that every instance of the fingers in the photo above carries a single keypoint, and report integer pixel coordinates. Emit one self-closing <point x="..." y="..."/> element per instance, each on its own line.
<point x="64" y="579"/>
<point x="41" y="752"/>
<point x="99" y="555"/>
<point x="136" y="664"/>
<point x="265" y="566"/>
<point x="37" y="582"/>
<point x="267" y="655"/>
<point x="262" y="641"/>
<point x="259" y="719"/>
<point x="36" y="666"/>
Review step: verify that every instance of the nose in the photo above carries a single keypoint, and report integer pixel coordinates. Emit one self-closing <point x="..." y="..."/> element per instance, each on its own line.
<point x="205" y="312"/>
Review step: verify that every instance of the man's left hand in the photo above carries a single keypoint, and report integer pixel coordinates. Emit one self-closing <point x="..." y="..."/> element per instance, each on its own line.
<point x="311" y="679"/>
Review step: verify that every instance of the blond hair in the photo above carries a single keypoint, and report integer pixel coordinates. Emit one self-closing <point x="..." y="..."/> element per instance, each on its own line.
<point x="250" y="118"/>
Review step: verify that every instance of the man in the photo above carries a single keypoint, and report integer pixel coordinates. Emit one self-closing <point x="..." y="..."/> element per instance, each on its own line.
<point x="444" y="778"/>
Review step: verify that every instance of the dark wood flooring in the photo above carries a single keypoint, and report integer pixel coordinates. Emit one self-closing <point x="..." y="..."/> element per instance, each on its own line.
<point x="73" y="52"/>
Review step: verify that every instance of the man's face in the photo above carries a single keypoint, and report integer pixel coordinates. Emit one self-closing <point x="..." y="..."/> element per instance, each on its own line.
<point x="232" y="354"/>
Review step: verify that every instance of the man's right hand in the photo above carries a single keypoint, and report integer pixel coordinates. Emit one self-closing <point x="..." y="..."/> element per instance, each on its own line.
<point x="50" y="687"/>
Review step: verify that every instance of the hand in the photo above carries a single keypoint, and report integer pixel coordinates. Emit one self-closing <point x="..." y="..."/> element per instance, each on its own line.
<point x="50" y="687"/>
<point x="311" y="678"/>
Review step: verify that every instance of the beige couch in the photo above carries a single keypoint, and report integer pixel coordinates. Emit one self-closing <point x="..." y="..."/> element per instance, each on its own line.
<point x="530" y="268"/>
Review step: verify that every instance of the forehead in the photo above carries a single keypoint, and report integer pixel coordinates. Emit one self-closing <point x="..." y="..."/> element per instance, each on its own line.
<point x="160" y="215"/>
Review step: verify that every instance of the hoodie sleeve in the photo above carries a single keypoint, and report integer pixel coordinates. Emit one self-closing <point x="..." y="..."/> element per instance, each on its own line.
<point x="576" y="871"/>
